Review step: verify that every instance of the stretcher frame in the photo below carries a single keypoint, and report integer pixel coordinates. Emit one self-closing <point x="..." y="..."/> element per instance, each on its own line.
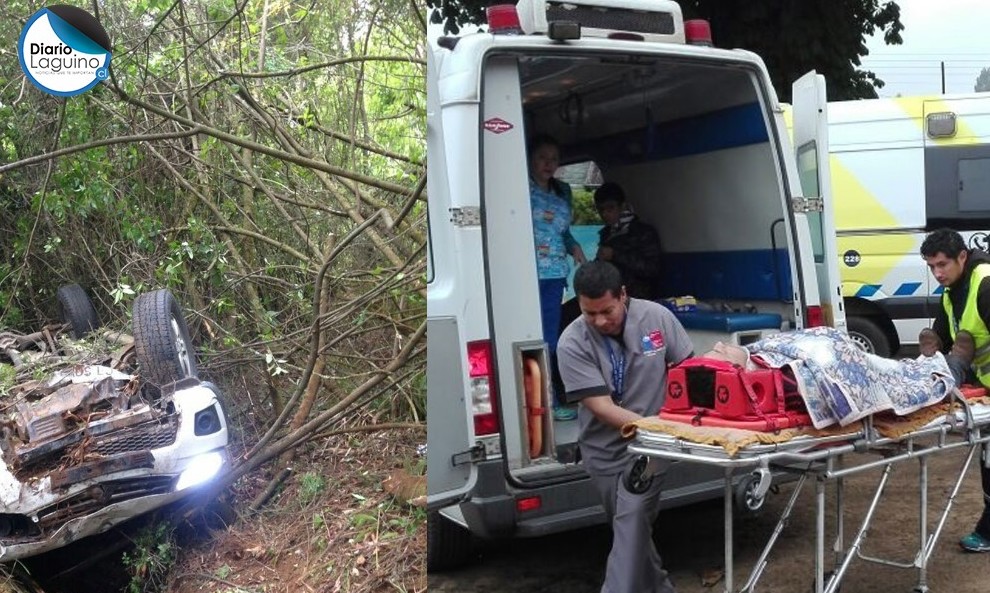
<point x="831" y="459"/>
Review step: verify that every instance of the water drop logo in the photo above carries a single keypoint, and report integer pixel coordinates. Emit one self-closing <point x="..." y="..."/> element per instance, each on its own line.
<point x="64" y="50"/>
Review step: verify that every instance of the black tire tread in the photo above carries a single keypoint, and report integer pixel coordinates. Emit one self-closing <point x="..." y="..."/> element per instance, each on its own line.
<point x="873" y="332"/>
<point x="76" y="309"/>
<point x="158" y="360"/>
<point x="448" y="545"/>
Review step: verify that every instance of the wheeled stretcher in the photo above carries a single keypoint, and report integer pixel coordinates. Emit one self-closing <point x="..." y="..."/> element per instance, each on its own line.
<point x="826" y="458"/>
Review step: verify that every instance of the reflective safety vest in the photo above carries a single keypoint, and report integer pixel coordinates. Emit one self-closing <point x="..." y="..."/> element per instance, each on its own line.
<point x="970" y="321"/>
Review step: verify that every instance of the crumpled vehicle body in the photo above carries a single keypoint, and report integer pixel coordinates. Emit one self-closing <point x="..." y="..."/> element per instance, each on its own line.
<point x="96" y="444"/>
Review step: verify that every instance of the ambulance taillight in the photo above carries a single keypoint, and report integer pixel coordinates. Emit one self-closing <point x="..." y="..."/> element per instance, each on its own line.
<point x="481" y="373"/>
<point x="814" y="316"/>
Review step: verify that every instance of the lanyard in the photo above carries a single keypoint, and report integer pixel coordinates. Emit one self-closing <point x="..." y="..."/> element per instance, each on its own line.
<point x="618" y="369"/>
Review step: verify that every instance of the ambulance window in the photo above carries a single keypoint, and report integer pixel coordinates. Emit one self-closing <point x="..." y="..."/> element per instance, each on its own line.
<point x="808" y="175"/>
<point x="584" y="178"/>
<point x="974" y="185"/>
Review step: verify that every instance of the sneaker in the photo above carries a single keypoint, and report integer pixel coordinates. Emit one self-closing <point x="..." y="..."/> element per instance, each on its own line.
<point x="975" y="542"/>
<point x="564" y="413"/>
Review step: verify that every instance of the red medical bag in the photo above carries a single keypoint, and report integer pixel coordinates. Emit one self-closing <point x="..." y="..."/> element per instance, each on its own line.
<point x="712" y="392"/>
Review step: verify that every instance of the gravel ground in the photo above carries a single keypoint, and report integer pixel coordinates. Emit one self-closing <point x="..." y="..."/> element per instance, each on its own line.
<point x="691" y="539"/>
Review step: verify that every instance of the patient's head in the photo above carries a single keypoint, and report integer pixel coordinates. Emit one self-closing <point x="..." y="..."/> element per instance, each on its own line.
<point x="729" y="353"/>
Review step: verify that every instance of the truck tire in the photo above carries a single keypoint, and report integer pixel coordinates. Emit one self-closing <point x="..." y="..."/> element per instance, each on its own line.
<point x="161" y="339"/>
<point x="75" y="308"/>
<point x="448" y="545"/>
<point x="869" y="336"/>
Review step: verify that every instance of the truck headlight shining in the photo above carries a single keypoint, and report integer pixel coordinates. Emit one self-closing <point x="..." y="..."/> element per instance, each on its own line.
<point x="201" y="469"/>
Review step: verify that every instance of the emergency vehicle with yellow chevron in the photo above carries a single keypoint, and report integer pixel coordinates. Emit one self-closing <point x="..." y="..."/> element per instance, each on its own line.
<point x="901" y="167"/>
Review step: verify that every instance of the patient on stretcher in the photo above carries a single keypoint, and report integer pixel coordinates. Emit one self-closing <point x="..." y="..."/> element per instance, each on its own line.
<point x="838" y="382"/>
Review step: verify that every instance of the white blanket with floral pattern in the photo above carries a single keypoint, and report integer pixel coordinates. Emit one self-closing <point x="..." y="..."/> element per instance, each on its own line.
<point x="841" y="383"/>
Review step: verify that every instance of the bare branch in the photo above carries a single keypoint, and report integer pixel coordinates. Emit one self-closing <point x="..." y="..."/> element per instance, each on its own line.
<point x="195" y="129"/>
<point x="311" y="67"/>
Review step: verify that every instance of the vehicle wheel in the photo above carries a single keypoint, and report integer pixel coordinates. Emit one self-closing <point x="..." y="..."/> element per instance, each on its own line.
<point x="448" y="545"/>
<point x="75" y="308"/>
<point x="161" y="339"/>
<point x="869" y="336"/>
<point x="745" y="500"/>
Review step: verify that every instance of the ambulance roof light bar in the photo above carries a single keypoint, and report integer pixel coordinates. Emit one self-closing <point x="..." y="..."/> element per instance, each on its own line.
<point x="698" y="32"/>
<point x="503" y="19"/>
<point x="650" y="20"/>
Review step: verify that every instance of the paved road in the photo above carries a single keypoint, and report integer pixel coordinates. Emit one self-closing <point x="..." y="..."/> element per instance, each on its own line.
<point x="691" y="545"/>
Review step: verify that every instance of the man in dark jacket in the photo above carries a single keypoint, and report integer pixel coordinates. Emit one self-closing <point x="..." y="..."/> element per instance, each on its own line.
<point x="628" y="243"/>
<point x="961" y="328"/>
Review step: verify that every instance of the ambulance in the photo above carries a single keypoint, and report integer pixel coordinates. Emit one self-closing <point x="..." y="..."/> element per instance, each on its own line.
<point x="696" y="136"/>
<point x="901" y="167"/>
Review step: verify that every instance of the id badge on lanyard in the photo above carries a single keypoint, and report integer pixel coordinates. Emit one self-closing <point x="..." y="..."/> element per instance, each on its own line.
<point x="618" y="362"/>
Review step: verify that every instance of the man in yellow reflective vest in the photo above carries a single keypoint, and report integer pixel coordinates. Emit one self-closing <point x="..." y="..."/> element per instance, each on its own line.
<point x="961" y="331"/>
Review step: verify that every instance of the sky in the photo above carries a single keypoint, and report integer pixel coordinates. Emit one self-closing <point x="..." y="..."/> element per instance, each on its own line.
<point x="956" y="32"/>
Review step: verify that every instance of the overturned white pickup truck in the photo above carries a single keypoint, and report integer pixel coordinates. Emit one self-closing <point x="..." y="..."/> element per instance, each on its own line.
<point x="101" y="436"/>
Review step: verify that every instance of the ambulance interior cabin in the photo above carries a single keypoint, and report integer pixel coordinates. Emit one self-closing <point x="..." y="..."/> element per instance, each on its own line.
<point x="691" y="144"/>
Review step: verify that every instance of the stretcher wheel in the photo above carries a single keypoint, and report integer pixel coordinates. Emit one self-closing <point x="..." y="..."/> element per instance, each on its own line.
<point x="828" y="577"/>
<point x="634" y="480"/>
<point x="747" y="498"/>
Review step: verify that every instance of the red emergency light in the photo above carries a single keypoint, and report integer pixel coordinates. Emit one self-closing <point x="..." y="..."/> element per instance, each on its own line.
<point x="698" y="32"/>
<point x="503" y="19"/>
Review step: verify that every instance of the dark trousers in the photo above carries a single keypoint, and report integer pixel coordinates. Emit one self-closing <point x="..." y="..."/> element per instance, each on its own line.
<point x="551" y="293"/>
<point x="983" y="525"/>
<point x="962" y="373"/>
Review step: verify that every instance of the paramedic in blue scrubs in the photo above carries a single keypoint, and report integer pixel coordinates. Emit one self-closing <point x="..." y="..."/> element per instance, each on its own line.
<point x="960" y="331"/>
<point x="550" y="202"/>
<point x="614" y="359"/>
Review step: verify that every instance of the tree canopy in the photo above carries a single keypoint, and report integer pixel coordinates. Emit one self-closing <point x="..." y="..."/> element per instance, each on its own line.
<point x="791" y="37"/>
<point x="983" y="81"/>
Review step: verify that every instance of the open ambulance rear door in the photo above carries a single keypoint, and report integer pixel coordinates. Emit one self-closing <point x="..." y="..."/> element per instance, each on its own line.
<point x="448" y="408"/>
<point x="810" y="133"/>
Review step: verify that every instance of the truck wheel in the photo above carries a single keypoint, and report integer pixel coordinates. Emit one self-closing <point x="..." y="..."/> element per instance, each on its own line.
<point x="75" y="308"/>
<point x="448" y="545"/>
<point x="869" y="336"/>
<point x="161" y="339"/>
<point x="745" y="500"/>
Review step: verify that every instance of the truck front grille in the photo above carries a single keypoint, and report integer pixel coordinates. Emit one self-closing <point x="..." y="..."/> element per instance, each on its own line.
<point x="137" y="438"/>
<point x="98" y="496"/>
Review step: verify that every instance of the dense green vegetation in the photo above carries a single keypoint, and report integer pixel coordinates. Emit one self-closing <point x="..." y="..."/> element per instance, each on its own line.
<point x="262" y="159"/>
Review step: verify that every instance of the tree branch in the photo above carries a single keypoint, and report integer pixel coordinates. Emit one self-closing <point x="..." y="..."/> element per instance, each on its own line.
<point x="195" y="129"/>
<point x="304" y="69"/>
